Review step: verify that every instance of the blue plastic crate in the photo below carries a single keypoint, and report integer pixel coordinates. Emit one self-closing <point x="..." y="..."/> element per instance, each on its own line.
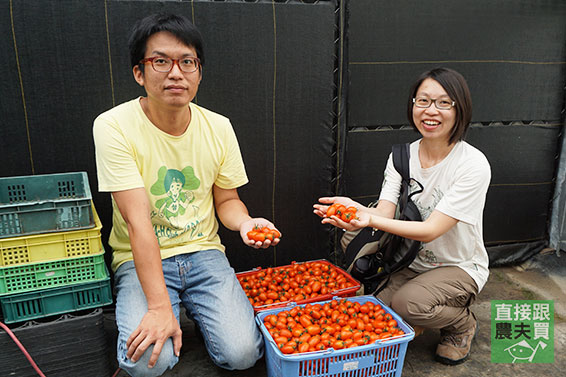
<point x="384" y="358"/>
<point x="45" y="203"/>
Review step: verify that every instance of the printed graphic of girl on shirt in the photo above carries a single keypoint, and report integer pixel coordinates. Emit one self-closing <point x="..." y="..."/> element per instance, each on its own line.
<point x="176" y="185"/>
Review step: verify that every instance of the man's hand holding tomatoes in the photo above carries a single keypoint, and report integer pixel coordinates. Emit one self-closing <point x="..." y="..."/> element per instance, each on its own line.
<point x="259" y="233"/>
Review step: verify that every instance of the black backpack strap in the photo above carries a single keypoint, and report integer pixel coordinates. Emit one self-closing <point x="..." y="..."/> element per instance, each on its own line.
<point x="401" y="157"/>
<point x="365" y="236"/>
<point x="401" y="162"/>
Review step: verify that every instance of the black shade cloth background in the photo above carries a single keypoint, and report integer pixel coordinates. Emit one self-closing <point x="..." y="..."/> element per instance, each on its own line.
<point x="273" y="69"/>
<point x="512" y="53"/>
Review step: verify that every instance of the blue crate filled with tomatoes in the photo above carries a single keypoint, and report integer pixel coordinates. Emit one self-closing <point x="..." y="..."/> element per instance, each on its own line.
<point x="354" y="336"/>
<point x="299" y="282"/>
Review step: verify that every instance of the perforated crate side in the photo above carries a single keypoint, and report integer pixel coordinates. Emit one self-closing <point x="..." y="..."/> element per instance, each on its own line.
<point x="36" y="276"/>
<point x="344" y="292"/>
<point x="384" y="358"/>
<point x="33" y="305"/>
<point x="42" y="187"/>
<point x="50" y="246"/>
<point x="45" y="203"/>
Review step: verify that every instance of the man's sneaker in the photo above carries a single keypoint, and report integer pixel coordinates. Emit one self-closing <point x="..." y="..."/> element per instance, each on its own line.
<point x="454" y="348"/>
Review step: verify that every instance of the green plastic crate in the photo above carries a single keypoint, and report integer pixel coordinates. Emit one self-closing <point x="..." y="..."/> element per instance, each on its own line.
<point x="45" y="203"/>
<point x="36" y="276"/>
<point x="26" y="306"/>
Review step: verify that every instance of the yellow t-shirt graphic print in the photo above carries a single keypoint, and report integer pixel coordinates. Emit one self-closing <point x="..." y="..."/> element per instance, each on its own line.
<point x="176" y="205"/>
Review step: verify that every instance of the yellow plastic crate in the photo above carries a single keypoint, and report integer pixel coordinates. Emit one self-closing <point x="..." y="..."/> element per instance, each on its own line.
<point x="48" y="246"/>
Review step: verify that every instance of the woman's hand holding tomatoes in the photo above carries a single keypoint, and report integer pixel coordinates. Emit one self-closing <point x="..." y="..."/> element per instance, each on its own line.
<point x="259" y="233"/>
<point x="342" y="212"/>
<point x="327" y="202"/>
<point x="361" y="220"/>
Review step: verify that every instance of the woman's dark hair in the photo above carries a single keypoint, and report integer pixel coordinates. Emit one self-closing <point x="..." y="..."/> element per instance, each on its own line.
<point x="457" y="89"/>
<point x="177" y="25"/>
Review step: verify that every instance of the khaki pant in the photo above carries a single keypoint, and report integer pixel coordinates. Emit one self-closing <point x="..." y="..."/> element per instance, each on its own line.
<point x="436" y="299"/>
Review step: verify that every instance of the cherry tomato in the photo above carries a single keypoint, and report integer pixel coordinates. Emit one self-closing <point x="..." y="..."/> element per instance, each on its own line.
<point x="348" y="216"/>
<point x="259" y="237"/>
<point x="331" y="211"/>
<point x="305" y="321"/>
<point x="313" y="329"/>
<point x="339" y="344"/>
<point x="287" y="349"/>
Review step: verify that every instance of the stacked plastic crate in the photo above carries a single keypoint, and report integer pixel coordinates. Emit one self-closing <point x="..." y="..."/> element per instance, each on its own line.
<point x="51" y="252"/>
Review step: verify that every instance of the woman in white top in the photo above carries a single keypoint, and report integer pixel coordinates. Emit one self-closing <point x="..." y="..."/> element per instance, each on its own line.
<point x="437" y="289"/>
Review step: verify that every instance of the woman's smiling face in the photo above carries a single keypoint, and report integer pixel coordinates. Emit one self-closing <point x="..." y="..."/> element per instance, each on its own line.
<point x="431" y="122"/>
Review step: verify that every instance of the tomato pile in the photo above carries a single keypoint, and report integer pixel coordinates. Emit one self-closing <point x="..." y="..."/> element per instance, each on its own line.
<point x="346" y="214"/>
<point x="337" y="324"/>
<point x="295" y="282"/>
<point x="261" y="234"/>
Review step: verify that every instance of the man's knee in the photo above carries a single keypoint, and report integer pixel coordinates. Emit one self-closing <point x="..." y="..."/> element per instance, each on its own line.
<point x="166" y="360"/>
<point x="242" y="356"/>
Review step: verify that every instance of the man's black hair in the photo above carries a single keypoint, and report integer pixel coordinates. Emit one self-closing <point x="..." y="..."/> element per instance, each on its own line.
<point x="175" y="24"/>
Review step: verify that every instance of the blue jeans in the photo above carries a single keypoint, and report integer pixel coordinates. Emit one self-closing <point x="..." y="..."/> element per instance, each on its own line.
<point x="207" y="287"/>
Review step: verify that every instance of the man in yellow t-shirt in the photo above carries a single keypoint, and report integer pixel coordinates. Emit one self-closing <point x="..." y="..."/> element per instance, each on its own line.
<point x="171" y="167"/>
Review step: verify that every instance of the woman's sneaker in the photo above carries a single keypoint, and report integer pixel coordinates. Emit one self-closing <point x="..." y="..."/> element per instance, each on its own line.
<point x="454" y="348"/>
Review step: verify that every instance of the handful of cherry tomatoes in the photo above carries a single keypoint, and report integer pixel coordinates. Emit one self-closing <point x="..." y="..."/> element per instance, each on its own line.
<point x="259" y="233"/>
<point x="295" y="282"/>
<point x="337" y="324"/>
<point x="346" y="214"/>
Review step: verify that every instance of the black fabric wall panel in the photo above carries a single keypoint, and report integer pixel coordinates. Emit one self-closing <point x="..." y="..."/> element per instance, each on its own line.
<point x="279" y="100"/>
<point x="519" y="154"/>
<point x="238" y="82"/>
<point x="64" y="79"/>
<point x="517" y="213"/>
<point x="14" y="148"/>
<point x="366" y="156"/>
<point x="304" y="125"/>
<point x="514" y="253"/>
<point x="505" y="92"/>
<point x="511" y="52"/>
